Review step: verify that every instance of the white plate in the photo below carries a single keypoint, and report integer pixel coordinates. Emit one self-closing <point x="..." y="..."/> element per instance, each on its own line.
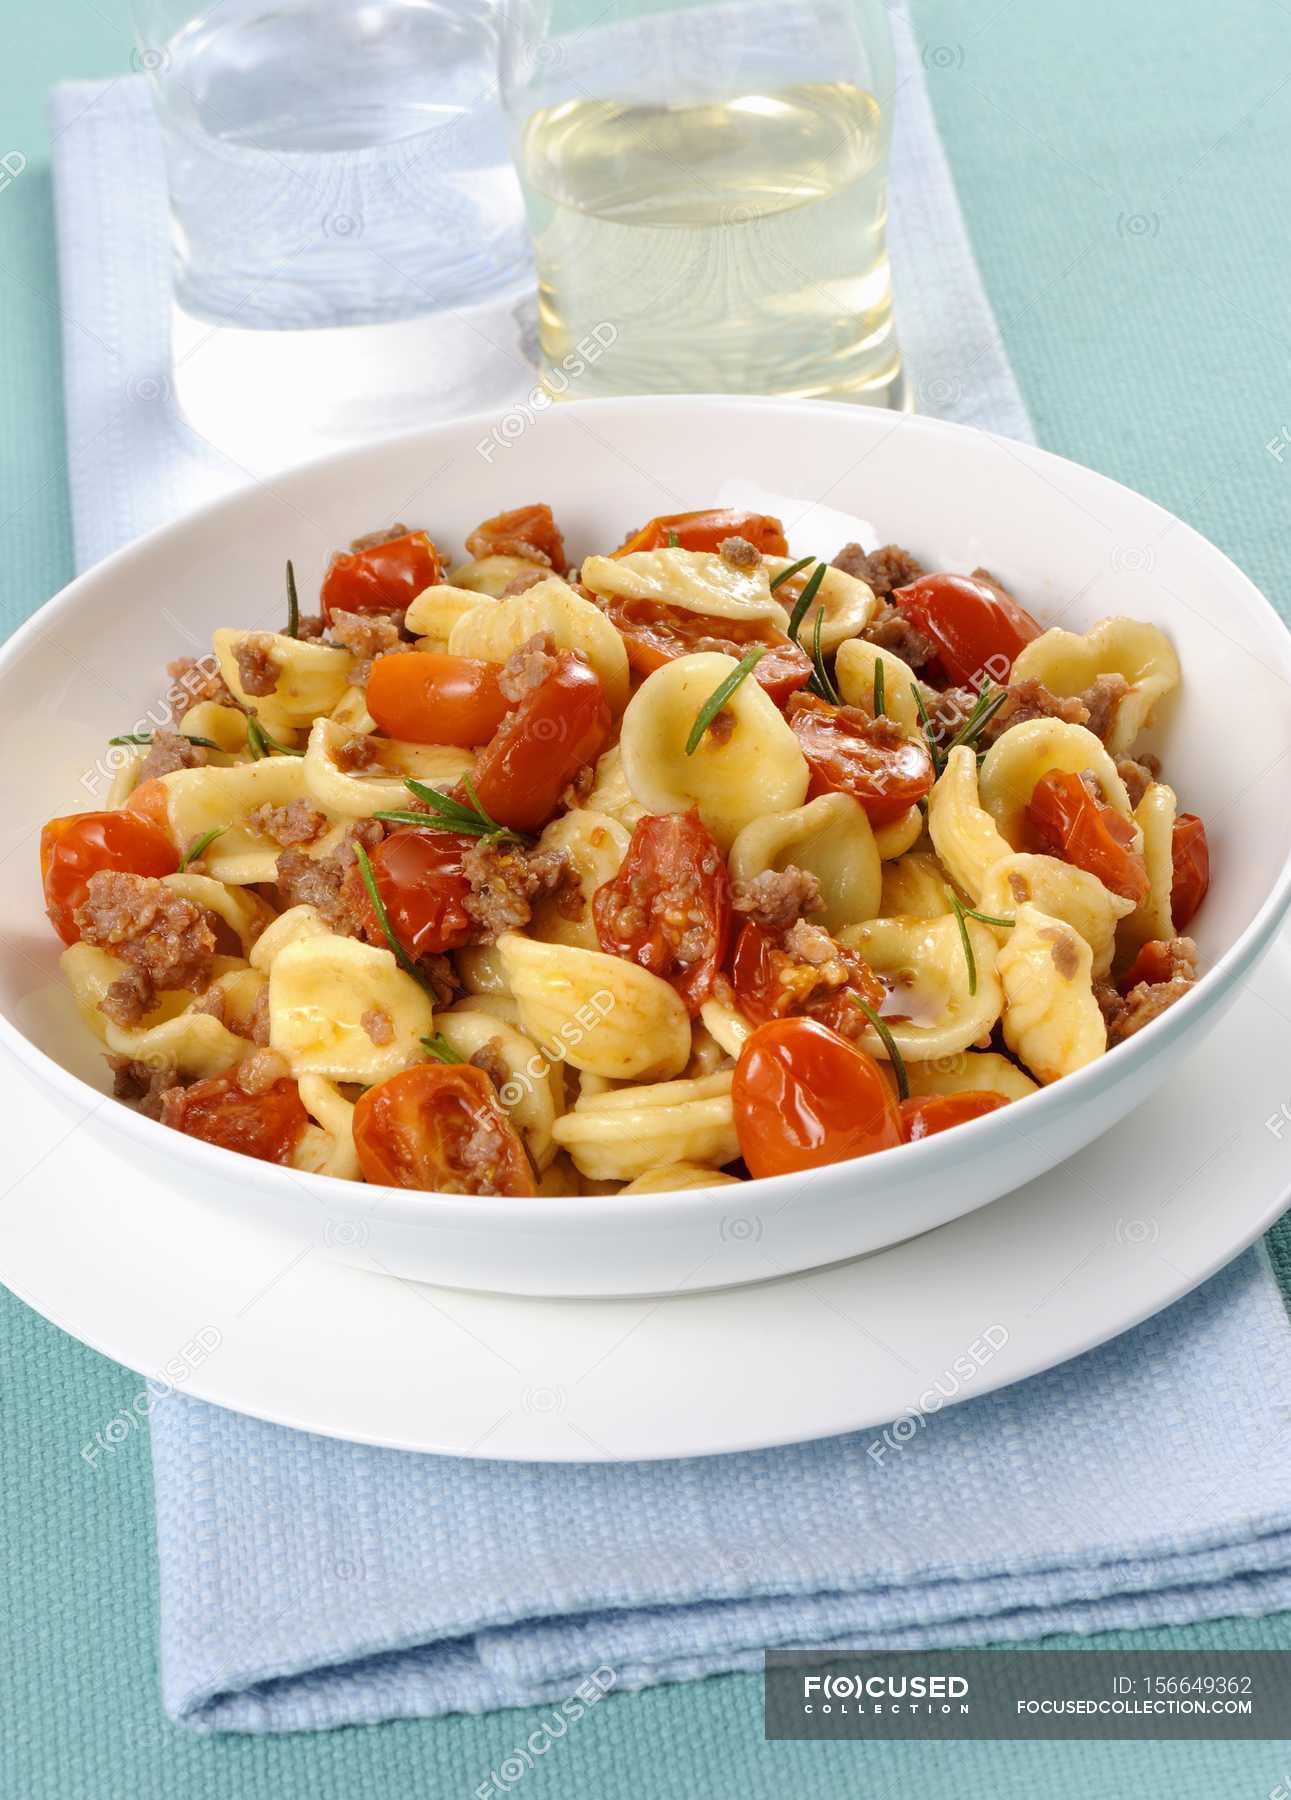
<point x="278" y="1329"/>
<point x="1076" y="547"/>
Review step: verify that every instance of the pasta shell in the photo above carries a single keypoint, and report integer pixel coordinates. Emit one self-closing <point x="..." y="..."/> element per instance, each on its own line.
<point x="610" y="792"/>
<point x="491" y="575"/>
<point x="245" y="914"/>
<point x="329" y="1149"/>
<point x="964" y="835"/>
<point x="727" y="1025"/>
<point x="202" y="800"/>
<point x="435" y="612"/>
<point x="970" y="1071"/>
<point x="596" y="845"/>
<point x="296" y="922"/>
<point x="598" y="1012"/>
<point x="831" y="839"/>
<point x="192" y="1044"/>
<point x="630" y="1132"/>
<point x="844" y="603"/>
<point x="321" y="988"/>
<point x="481" y="969"/>
<point x="351" y="712"/>
<point x="899" y="835"/>
<point x="854" y="669"/>
<point x="311" y="676"/>
<point x="673" y="1177"/>
<point x="1154" y="815"/>
<point x="550" y="607"/>
<point x="696" y="580"/>
<point x="1022" y="754"/>
<point x="90" y="972"/>
<point x="916" y="884"/>
<point x="224" y="725"/>
<point x="1052" y="1021"/>
<point x="358" y="794"/>
<point x="1068" y="662"/>
<point x="534" y="1090"/>
<point x="1062" y="891"/>
<point x="923" y="961"/>
<point x="756" y="767"/>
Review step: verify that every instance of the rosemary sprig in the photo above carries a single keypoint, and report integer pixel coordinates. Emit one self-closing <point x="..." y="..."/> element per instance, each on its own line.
<point x="440" y="1050"/>
<point x="984" y="710"/>
<point x="879" y="679"/>
<point x="988" y="918"/>
<point x="929" y="733"/>
<point x="199" y="845"/>
<point x="457" y="815"/>
<point x="293" y="603"/>
<point x="721" y="694"/>
<point x="259" y="742"/>
<point x="890" y="1045"/>
<point x="961" y="919"/>
<point x="810" y="588"/>
<point x="673" y="540"/>
<point x="146" y="737"/>
<point x="401" y="956"/>
<point x="792" y="570"/>
<point x="820" y="681"/>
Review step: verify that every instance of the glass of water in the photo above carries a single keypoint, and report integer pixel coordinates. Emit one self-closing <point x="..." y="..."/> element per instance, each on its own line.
<point x="706" y="189"/>
<point x="349" y="247"/>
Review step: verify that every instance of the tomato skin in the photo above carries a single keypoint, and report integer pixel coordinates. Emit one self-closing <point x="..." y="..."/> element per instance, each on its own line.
<point x="267" y="1126"/>
<point x="81" y="844"/>
<point x="412" y="1130"/>
<point x="542" y="744"/>
<point x="526" y="531"/>
<point x="654" y="633"/>
<point x="1190" y="855"/>
<point x="385" y="578"/>
<point x="419" y="877"/>
<point x="1068" y="822"/>
<point x="977" y="628"/>
<point x="1152" y="964"/>
<point x="768" y="986"/>
<point x="705" y="530"/>
<point x="673" y="884"/>
<point x="871" y="759"/>
<point x="804" y="1096"/>
<point x="924" y="1115"/>
<point x="429" y="698"/>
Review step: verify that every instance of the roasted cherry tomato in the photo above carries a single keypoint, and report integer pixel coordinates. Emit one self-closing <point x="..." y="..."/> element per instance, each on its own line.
<point x="977" y="628"/>
<point x="705" y="531"/>
<point x="871" y="759"/>
<point x="1190" y="854"/>
<point x="80" y="845"/>
<point x="771" y="984"/>
<point x="1067" y="821"/>
<point x="385" y="578"/>
<point x="440" y="1127"/>
<point x="268" y="1125"/>
<point x="669" y="906"/>
<point x="1153" y="964"/>
<point x="804" y="1096"/>
<point x="924" y="1115"/>
<point x="654" y="633"/>
<point x="419" y="877"/>
<point x="527" y="531"/>
<point x="432" y="699"/>
<point x="541" y="745"/>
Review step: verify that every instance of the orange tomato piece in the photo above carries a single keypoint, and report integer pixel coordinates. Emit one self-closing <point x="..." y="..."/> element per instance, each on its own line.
<point x="654" y="633"/>
<point x="526" y="531"/>
<point x="441" y="1128"/>
<point x="557" y="728"/>
<point x="851" y="753"/>
<point x="1068" y="822"/>
<point x="74" y="848"/>
<point x="1190" y="855"/>
<point x="669" y="907"/>
<point x="268" y="1125"/>
<point x="384" y="578"/>
<point x="924" y="1115"/>
<point x="804" y="1097"/>
<point x="705" y="531"/>
<point x="429" y="698"/>
<point x="977" y="628"/>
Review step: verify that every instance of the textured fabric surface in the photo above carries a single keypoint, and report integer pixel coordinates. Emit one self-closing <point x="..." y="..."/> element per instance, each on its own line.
<point x="310" y="1582"/>
<point x="1161" y="360"/>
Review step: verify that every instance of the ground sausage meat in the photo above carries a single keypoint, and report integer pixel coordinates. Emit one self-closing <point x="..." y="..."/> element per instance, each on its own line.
<point x="366" y="636"/>
<point x="194" y="679"/>
<point x="1101" y="700"/>
<point x="891" y="630"/>
<point x="168" y="751"/>
<point x="1127" y="1013"/>
<point x="320" y="881"/>
<point x="167" y="940"/>
<point x="506" y="880"/>
<point x="739" y="553"/>
<point x="521" y="583"/>
<point x="378" y="1024"/>
<point x="371" y="539"/>
<point x="883" y="570"/>
<point x="141" y="1083"/>
<point x="777" y="898"/>
<point x="1138" y="774"/>
<point x="356" y="754"/>
<point x="260" y="1071"/>
<point x="295" y="823"/>
<point x="258" y="667"/>
<point x="527" y="668"/>
<point x="489" y="1058"/>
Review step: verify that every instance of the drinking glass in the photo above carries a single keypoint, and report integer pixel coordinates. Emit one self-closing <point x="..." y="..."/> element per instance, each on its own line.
<point x="344" y="213"/>
<point x="706" y="191"/>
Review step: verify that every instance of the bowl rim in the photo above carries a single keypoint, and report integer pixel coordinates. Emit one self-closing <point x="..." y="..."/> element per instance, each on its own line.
<point x="542" y="1215"/>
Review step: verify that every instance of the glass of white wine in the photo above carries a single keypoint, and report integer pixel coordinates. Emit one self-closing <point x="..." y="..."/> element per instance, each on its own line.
<point x="706" y="187"/>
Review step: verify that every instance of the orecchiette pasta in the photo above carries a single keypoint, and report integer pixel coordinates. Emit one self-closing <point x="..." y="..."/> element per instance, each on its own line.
<point x="1062" y="891"/>
<point x="491" y="575"/>
<point x="1068" y="663"/>
<point x="630" y="1132"/>
<point x="964" y="834"/>
<point x="595" y="845"/>
<point x="532" y="1086"/>
<point x="1019" y="757"/>
<point x="676" y="1176"/>
<point x="433" y="614"/>
<point x="328" y="1149"/>
<point x="970" y="1071"/>
<point x="224" y="800"/>
<point x="345" y="1009"/>
<point x="846" y="604"/>
<point x="1155" y="817"/>
<point x="831" y="839"/>
<point x="596" y="1011"/>
<point x="551" y="609"/>
<point x="610" y="792"/>
<point x="938" y="1005"/>
<point x="308" y="677"/>
<point x="735" y="774"/>
<point x="1052" y="1021"/>
<point x="915" y="884"/>
<point x="358" y="793"/>
<point x="899" y="835"/>
<point x="854" y="672"/>
<point x="694" y="580"/>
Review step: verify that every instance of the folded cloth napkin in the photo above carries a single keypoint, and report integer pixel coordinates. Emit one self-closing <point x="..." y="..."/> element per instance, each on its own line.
<point x="309" y="1583"/>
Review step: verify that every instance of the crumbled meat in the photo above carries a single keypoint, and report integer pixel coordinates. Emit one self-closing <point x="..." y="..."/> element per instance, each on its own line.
<point x="527" y="668"/>
<point x="215" y="1003"/>
<point x="166" y="939"/>
<point x="521" y="583"/>
<point x="144" y="1084"/>
<point x="576" y="791"/>
<point x="312" y="626"/>
<point x="528" y="532"/>
<point x="739" y="553"/>
<point x="192" y="680"/>
<point x="891" y="630"/>
<point x="366" y="636"/>
<point x="777" y="898"/>
<point x="1030" y="700"/>
<point x="483" y="1155"/>
<point x="295" y="823"/>
<point x="721" y="725"/>
<point x="371" y="539"/>
<point x="378" y="1024"/>
<point x="320" y="881"/>
<point x="1127" y="1013"/>
<point x="810" y="944"/>
<point x="1101" y="700"/>
<point x="505" y="880"/>
<point x="440" y="974"/>
<point x="1138" y="774"/>
<point x="356" y="754"/>
<point x="258" y="1072"/>
<point x="1019" y="887"/>
<point x="169" y="751"/>
<point x="1062" y="950"/>
<point x="885" y="569"/>
<point x="258" y="667"/>
<point x="258" y="1024"/>
<point x="128" y="999"/>
<point x="489" y="1058"/>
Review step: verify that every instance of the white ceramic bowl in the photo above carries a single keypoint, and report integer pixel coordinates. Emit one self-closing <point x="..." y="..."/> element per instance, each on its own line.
<point x="1073" y="545"/>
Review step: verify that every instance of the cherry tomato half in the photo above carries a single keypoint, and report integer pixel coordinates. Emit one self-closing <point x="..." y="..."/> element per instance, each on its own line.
<point x="267" y="1125"/>
<point x="705" y="531"/>
<point x="526" y="531"/>
<point x="385" y="578"/>
<point x="429" y="698"/>
<point x="1153" y="964"/>
<point x="420" y="880"/>
<point x="80" y="845"/>
<point x="654" y="633"/>
<point x="669" y="906"/>
<point x="1067" y="821"/>
<point x="440" y="1127"/>
<point x="977" y="628"/>
<point x="924" y="1115"/>
<point x="804" y="1096"/>
<point x="1190" y="854"/>
<point x="770" y="984"/>
<point x="541" y="745"/>
<point x="851" y="753"/>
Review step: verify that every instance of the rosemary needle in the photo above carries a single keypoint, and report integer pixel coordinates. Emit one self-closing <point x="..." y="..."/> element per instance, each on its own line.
<point x="293" y="603"/>
<point x="721" y="694"/>
<point x="199" y="845"/>
<point x="440" y="1050"/>
<point x="890" y="1045"/>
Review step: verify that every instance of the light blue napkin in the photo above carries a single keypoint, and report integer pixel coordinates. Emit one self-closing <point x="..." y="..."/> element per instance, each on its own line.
<point x="309" y="1583"/>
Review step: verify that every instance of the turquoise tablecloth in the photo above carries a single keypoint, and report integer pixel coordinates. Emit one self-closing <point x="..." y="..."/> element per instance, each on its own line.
<point x="1125" y="174"/>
